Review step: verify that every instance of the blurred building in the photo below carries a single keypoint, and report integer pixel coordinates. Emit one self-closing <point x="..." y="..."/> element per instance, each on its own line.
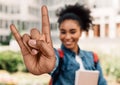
<point x="53" y="5"/>
<point x="106" y="15"/>
<point x="23" y="13"/>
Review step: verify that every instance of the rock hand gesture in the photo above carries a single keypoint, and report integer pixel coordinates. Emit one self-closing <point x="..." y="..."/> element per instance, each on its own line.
<point x="37" y="48"/>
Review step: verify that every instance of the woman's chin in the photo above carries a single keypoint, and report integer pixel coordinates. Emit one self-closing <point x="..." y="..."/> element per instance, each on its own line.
<point x="68" y="46"/>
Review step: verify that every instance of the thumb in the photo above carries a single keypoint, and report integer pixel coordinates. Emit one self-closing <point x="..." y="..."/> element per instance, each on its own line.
<point x="45" y="49"/>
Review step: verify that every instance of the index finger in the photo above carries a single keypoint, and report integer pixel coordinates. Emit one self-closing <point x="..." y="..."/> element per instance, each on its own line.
<point x="46" y="24"/>
<point x="17" y="36"/>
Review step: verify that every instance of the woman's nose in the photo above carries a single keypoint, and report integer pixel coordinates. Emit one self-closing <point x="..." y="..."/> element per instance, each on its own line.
<point x="68" y="36"/>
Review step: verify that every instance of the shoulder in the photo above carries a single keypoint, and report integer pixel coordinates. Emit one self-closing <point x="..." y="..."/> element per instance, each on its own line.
<point x="59" y="53"/>
<point x="91" y="55"/>
<point x="86" y="53"/>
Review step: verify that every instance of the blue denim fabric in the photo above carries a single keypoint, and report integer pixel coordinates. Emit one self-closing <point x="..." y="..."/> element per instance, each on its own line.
<point x="69" y="67"/>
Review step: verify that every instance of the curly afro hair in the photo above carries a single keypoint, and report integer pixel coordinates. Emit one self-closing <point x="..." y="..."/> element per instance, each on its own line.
<point x="76" y="12"/>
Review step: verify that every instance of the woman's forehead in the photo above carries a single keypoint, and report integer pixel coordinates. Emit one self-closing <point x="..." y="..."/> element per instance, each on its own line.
<point x="69" y="23"/>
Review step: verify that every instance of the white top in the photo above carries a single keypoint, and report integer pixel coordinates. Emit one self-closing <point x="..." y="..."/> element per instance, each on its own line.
<point x="79" y="60"/>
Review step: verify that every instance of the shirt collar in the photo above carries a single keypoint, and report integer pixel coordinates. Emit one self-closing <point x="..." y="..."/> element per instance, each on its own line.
<point x="68" y="51"/>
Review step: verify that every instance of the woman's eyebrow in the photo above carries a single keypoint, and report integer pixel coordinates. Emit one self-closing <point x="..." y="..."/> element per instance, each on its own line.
<point x="72" y="29"/>
<point x="61" y="29"/>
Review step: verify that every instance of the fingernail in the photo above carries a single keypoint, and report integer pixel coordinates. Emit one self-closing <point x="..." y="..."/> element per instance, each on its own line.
<point x="32" y="42"/>
<point x="34" y="52"/>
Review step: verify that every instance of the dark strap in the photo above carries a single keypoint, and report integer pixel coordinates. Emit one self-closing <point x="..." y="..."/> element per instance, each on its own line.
<point x="96" y="59"/>
<point x="61" y="53"/>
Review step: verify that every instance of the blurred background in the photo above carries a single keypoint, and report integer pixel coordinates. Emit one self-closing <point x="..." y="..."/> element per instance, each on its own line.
<point x="103" y="37"/>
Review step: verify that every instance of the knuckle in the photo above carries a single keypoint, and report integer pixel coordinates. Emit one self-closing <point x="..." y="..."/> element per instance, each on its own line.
<point x="33" y="29"/>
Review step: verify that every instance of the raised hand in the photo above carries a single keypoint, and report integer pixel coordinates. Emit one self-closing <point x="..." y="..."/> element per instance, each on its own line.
<point x="44" y="61"/>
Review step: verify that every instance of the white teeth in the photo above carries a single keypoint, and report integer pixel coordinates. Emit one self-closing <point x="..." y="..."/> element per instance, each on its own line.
<point x="68" y="42"/>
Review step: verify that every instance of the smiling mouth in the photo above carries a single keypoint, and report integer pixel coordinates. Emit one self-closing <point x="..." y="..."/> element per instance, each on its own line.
<point x="68" y="43"/>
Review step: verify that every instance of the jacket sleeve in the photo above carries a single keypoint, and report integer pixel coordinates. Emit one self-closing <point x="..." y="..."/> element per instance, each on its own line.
<point x="56" y="64"/>
<point x="101" y="80"/>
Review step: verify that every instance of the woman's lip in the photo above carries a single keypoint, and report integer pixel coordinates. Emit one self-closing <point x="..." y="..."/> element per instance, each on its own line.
<point x="67" y="43"/>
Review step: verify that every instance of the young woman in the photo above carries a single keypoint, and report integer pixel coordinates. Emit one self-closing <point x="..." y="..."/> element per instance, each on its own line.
<point x="40" y="56"/>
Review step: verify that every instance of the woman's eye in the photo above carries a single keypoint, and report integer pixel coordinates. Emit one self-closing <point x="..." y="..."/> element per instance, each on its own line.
<point x="72" y="32"/>
<point x="62" y="32"/>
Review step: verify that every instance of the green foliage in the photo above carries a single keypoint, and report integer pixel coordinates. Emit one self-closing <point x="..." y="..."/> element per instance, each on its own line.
<point x="111" y="66"/>
<point x="7" y="40"/>
<point x="11" y="61"/>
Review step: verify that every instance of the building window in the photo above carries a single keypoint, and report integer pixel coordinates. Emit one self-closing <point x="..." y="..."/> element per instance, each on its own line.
<point x="106" y="30"/>
<point x="6" y="24"/>
<point x="6" y="9"/>
<point x="53" y="26"/>
<point x="33" y="11"/>
<point x="96" y="29"/>
<point x="3" y="8"/>
<point x="14" y="9"/>
<point x="0" y="23"/>
<point x="9" y="10"/>
<point x="0" y="7"/>
<point x="118" y="30"/>
<point x="3" y="24"/>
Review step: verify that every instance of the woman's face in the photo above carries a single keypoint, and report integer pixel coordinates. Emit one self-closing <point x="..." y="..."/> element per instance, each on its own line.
<point x="69" y="34"/>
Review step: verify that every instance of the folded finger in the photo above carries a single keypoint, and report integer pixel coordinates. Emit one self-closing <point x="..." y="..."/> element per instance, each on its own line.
<point x="35" y="34"/>
<point x="32" y="43"/>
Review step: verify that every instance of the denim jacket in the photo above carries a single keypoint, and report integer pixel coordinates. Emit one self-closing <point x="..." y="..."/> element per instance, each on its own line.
<point x="70" y="66"/>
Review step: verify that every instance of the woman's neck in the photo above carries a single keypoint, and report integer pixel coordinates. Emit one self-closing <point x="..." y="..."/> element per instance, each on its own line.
<point x="75" y="50"/>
